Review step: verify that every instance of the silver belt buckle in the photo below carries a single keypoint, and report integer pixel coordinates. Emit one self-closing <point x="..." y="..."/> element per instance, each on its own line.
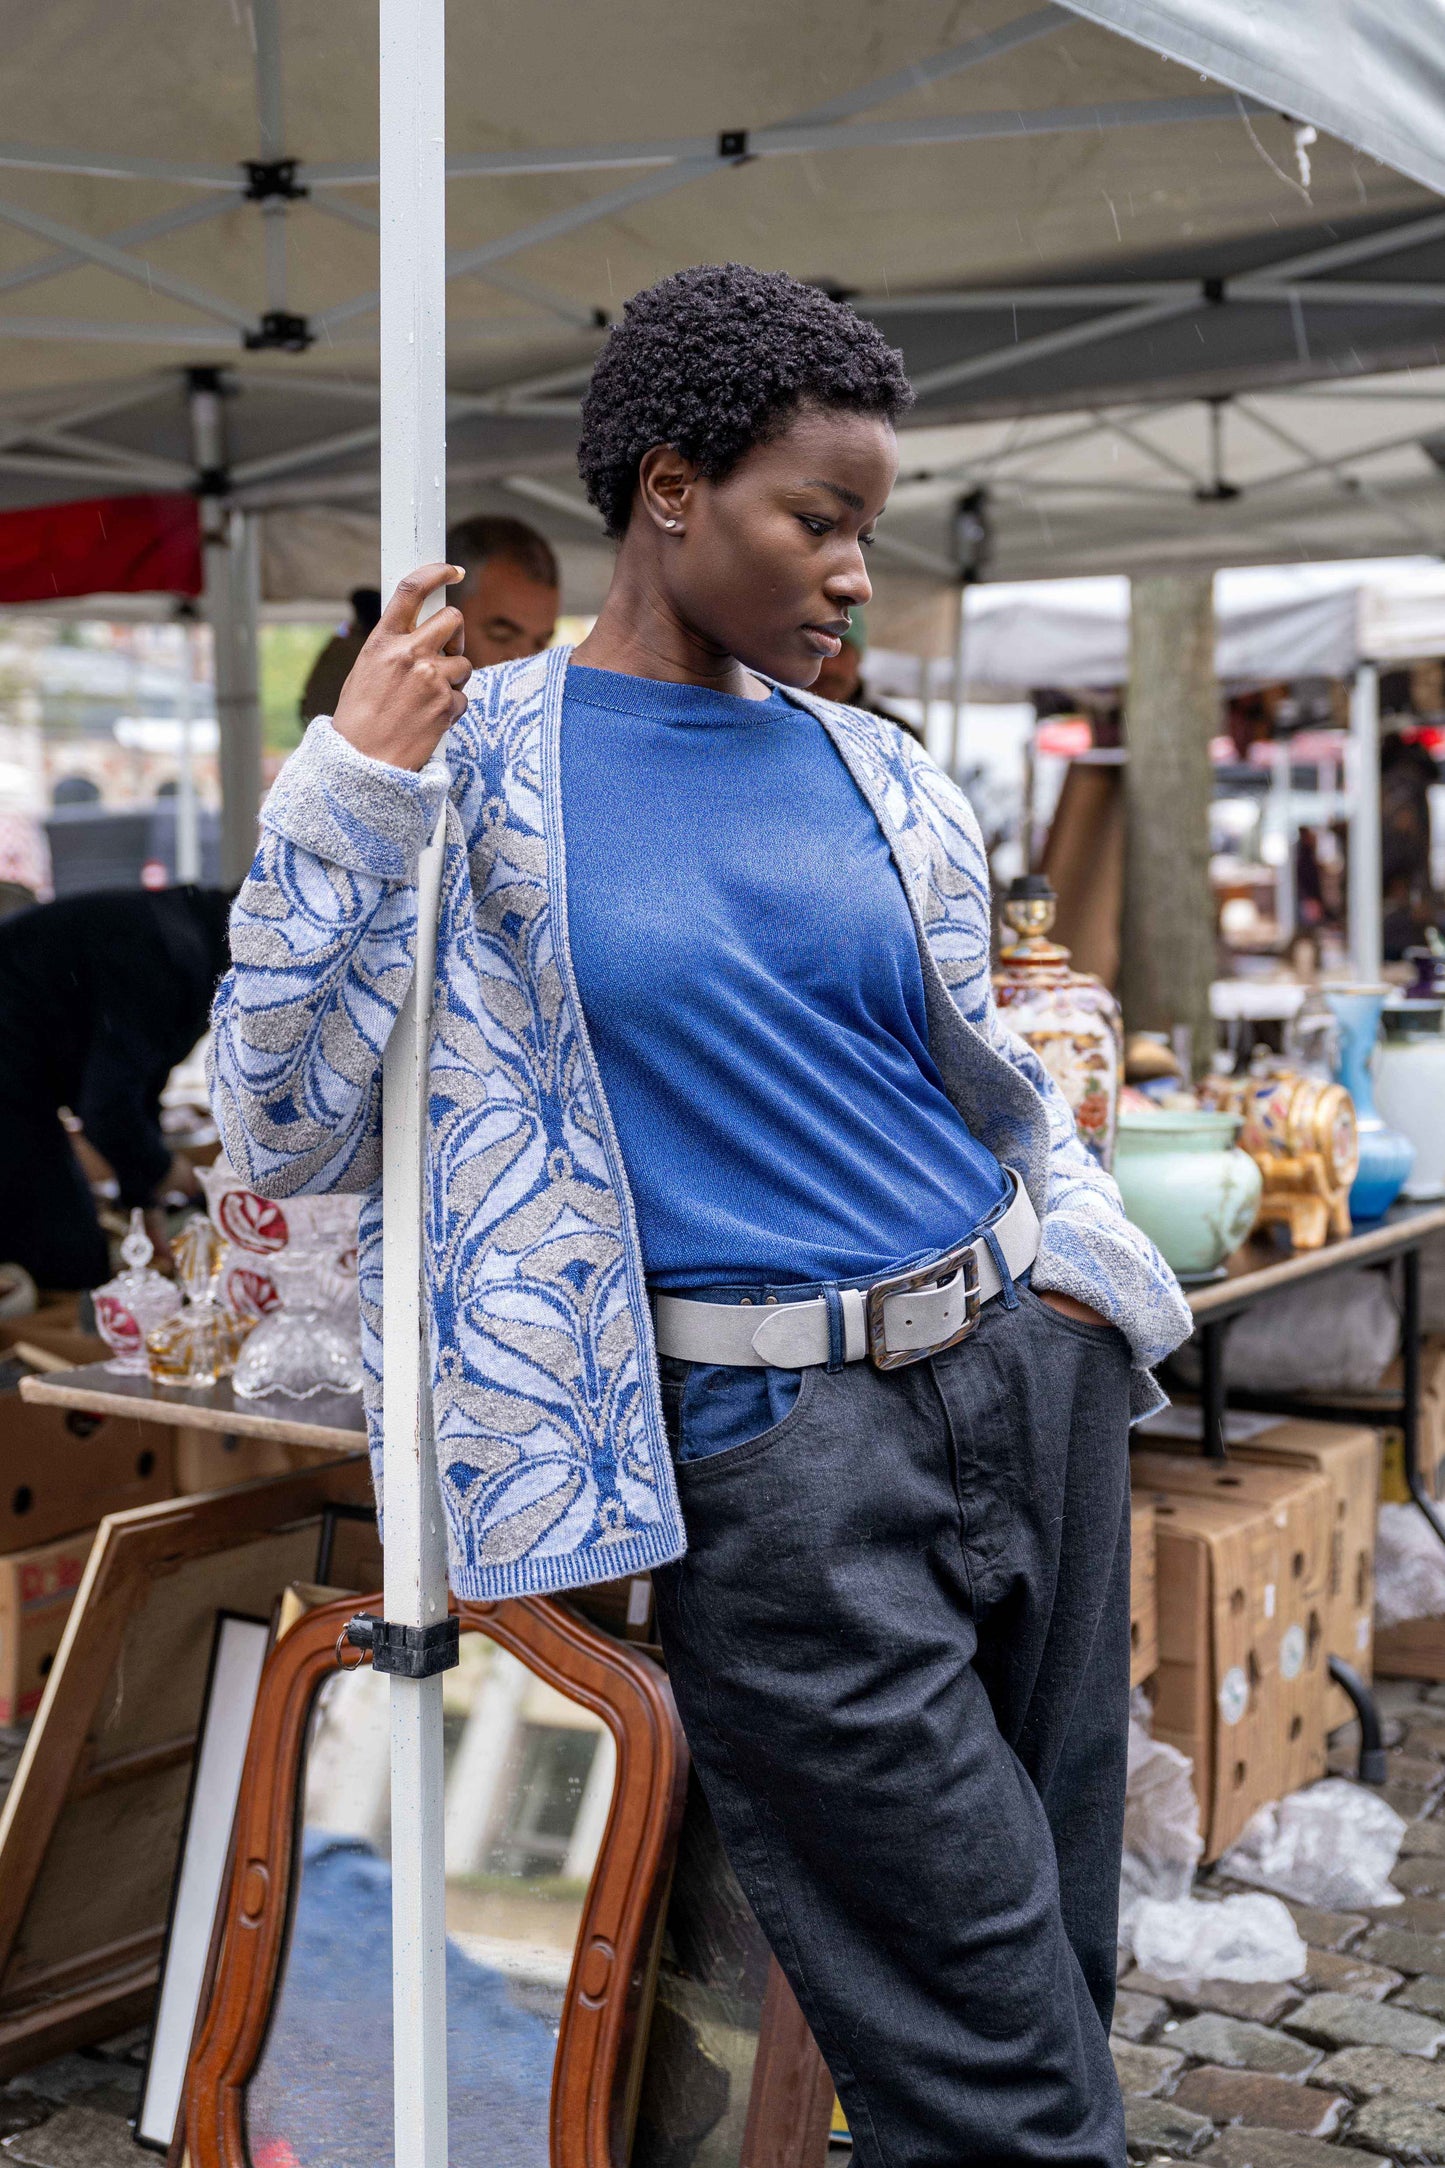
<point x="963" y="1259"/>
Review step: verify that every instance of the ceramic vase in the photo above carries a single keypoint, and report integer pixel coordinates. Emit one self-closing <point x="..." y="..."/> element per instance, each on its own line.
<point x="1068" y="1017"/>
<point x="1185" y="1182"/>
<point x="1410" y="1088"/>
<point x="1386" y="1156"/>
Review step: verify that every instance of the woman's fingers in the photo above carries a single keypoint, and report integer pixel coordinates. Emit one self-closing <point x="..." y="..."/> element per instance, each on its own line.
<point x="442" y="630"/>
<point x="455" y="669"/>
<point x="400" y="614"/>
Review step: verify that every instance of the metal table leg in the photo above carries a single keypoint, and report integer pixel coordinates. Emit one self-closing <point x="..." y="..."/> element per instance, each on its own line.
<point x="1212" y="1392"/>
<point x="1410" y="1413"/>
<point x="1372" y="1769"/>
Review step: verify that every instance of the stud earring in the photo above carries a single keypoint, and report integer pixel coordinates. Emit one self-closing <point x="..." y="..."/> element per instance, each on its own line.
<point x="669" y="523"/>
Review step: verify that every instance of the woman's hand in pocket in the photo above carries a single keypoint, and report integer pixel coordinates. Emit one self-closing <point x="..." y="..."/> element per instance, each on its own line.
<point x="1068" y="1307"/>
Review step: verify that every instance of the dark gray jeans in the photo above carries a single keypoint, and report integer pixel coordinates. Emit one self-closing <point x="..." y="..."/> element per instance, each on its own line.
<point x="899" y="1643"/>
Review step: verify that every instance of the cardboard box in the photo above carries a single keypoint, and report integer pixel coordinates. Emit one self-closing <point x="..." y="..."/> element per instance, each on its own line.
<point x="1306" y="1566"/>
<point x="37" y="1589"/>
<point x="61" y="1470"/>
<point x="1415" y="1650"/>
<point x="55" y="1327"/>
<point x="208" y="1460"/>
<point x="1349" y="1457"/>
<point x="1241" y="1676"/>
<point x="1393" y="1490"/>
<point x="1143" y="1609"/>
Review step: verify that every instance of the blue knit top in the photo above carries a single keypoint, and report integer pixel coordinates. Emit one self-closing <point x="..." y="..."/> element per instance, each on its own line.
<point x="750" y="976"/>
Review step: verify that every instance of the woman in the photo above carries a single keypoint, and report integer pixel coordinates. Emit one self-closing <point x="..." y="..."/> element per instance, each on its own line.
<point x="716" y="1079"/>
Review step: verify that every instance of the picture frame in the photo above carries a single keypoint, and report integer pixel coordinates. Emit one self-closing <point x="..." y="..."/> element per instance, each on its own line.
<point x="602" y="2031"/>
<point x="106" y="1769"/>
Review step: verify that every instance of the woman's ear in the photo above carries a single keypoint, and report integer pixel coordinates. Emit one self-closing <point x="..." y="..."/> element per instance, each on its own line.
<point x="665" y="487"/>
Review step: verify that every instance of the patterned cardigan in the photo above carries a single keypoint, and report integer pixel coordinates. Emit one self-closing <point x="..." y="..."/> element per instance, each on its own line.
<point x="553" y="1460"/>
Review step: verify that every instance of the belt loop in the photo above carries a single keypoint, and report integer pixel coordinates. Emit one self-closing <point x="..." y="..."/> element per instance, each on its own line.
<point x="1006" y="1288"/>
<point x="837" y="1338"/>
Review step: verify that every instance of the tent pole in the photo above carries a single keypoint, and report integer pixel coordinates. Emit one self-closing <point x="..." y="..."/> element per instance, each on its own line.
<point x="188" y="832"/>
<point x="413" y="529"/>
<point x="1366" y="902"/>
<point x="230" y="550"/>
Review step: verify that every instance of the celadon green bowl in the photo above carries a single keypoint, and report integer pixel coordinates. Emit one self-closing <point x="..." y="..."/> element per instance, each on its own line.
<point x="1186" y="1183"/>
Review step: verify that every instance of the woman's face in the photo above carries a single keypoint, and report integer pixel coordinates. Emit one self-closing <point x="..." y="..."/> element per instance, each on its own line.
<point x="766" y="564"/>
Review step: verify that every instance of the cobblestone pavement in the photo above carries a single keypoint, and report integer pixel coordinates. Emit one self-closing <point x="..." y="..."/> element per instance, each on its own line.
<point x="1335" y="2070"/>
<point x="1346" y="2060"/>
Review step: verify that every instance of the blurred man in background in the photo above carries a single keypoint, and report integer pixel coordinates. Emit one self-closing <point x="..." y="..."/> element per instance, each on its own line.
<point x="841" y="677"/>
<point x="509" y="597"/>
<point x="100" y="996"/>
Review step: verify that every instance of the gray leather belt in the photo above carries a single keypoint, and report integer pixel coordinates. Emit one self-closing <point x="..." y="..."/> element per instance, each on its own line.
<point x="897" y="1320"/>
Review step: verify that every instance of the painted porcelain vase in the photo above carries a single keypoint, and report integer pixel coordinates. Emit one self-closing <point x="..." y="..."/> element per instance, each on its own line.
<point x="1386" y="1156"/>
<point x="1300" y="1131"/>
<point x="1068" y="1017"/>
<point x="1186" y="1183"/>
<point x="1410" y="1087"/>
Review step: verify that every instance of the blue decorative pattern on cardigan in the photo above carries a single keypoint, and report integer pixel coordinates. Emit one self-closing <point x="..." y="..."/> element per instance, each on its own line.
<point x="553" y="1460"/>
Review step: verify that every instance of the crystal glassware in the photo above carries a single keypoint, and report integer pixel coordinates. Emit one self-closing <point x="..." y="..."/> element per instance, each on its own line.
<point x="310" y="1345"/>
<point x="136" y="1300"/>
<point x="199" y="1344"/>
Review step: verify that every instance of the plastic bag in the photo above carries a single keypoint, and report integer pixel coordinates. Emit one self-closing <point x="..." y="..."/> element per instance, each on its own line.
<point x="1162" y="1843"/>
<point x="1409" y="1567"/>
<point x="1333" y="1845"/>
<point x="1292" y="1342"/>
<point x="1240" y="1938"/>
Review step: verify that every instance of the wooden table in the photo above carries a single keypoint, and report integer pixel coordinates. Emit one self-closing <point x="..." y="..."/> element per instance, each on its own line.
<point x="326" y="1423"/>
<point x="1264" y="1268"/>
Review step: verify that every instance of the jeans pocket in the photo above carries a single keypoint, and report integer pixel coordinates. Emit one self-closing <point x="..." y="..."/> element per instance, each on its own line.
<point x="727" y="1412"/>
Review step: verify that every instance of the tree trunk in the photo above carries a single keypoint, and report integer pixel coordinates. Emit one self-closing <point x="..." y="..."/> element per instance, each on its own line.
<point x="1167" y="950"/>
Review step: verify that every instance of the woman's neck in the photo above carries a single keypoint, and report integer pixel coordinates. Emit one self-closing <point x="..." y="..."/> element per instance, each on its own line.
<point x="638" y="633"/>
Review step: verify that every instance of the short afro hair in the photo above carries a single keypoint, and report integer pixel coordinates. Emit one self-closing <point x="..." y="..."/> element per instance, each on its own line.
<point x="718" y="359"/>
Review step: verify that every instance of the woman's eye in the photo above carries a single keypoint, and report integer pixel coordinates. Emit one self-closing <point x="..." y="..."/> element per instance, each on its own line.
<point x="816" y="526"/>
<point x="867" y="540"/>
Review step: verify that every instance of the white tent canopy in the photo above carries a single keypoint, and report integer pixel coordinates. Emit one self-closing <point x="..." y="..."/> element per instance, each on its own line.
<point x="1271" y="625"/>
<point x="1043" y="213"/>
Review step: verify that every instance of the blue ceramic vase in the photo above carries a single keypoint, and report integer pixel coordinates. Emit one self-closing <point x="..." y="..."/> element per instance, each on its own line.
<point x="1385" y="1156"/>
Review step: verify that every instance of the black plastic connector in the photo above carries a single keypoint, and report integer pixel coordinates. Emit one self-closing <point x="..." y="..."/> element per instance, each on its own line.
<point x="733" y="143"/>
<point x="281" y="331"/>
<point x="409" y="1652"/>
<point x="272" y="180"/>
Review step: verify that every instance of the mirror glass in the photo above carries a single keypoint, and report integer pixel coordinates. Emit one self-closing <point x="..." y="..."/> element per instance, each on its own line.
<point x="529" y="1777"/>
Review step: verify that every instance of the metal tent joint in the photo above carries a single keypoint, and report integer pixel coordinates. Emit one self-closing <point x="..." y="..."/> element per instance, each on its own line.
<point x="411" y="1652"/>
<point x="280" y="331"/>
<point x="273" y="180"/>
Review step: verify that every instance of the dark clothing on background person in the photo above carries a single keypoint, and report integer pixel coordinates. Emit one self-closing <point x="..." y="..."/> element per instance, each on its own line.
<point x="100" y="996"/>
<point x="899" y="1642"/>
<point x="332" y="666"/>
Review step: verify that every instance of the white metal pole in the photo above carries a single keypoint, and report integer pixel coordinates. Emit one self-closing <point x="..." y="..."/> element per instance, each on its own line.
<point x="1364" y="875"/>
<point x="413" y="531"/>
<point x="188" y="829"/>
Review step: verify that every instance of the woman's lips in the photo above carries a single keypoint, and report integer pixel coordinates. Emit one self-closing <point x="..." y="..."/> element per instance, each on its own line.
<point x="823" y="642"/>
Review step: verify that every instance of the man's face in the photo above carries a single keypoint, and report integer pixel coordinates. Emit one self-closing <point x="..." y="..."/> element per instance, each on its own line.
<point x="506" y="615"/>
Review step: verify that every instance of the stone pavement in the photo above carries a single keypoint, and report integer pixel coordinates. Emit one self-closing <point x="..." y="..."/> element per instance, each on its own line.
<point x="1341" y="2069"/>
<point x="1336" y="2069"/>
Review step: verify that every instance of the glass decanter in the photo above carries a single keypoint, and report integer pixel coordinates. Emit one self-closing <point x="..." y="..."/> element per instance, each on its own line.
<point x="309" y="1345"/>
<point x="127" y="1307"/>
<point x="200" y="1343"/>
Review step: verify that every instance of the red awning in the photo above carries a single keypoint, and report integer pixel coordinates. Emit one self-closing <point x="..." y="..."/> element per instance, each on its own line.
<point x="101" y="546"/>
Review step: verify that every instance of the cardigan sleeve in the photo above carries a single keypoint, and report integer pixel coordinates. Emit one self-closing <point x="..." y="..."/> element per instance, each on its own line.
<point x="323" y="942"/>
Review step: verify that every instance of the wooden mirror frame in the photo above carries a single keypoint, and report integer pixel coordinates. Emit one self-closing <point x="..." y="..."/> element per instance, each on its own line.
<point x="601" y="2031"/>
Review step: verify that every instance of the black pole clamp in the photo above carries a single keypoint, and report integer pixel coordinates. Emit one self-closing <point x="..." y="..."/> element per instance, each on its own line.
<point x="409" y="1652"/>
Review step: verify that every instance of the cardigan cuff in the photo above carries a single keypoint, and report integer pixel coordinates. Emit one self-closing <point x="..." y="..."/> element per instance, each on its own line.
<point x="352" y="811"/>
